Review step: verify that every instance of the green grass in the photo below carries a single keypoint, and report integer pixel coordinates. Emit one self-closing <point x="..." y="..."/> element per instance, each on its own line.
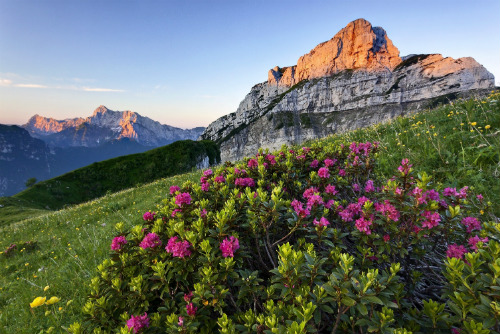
<point x="108" y="176"/>
<point x="458" y="144"/>
<point x="71" y="243"/>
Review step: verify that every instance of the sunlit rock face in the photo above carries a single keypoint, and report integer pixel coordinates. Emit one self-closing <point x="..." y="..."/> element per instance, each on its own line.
<point x="106" y="125"/>
<point x="353" y="80"/>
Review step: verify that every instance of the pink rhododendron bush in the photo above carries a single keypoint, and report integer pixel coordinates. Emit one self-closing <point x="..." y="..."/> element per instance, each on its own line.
<point x="306" y="241"/>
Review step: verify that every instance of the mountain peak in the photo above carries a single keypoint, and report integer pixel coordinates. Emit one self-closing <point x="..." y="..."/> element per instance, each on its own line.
<point x="357" y="46"/>
<point x="100" y="110"/>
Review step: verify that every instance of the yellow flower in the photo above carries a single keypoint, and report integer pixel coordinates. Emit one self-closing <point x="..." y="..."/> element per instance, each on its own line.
<point x="46" y="288"/>
<point x="473" y="123"/>
<point x="52" y="300"/>
<point x="38" y="301"/>
<point x="487" y="127"/>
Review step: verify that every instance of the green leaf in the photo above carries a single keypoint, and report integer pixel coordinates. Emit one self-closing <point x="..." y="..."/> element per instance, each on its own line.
<point x="348" y="301"/>
<point x="373" y="299"/>
<point x="362" y="308"/>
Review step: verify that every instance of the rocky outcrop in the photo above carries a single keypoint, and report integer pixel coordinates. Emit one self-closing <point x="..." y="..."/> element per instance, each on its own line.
<point x="359" y="82"/>
<point x="358" y="45"/>
<point x="106" y="125"/>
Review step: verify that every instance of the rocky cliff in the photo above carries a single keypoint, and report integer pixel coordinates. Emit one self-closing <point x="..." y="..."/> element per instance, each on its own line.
<point x="106" y="125"/>
<point x="353" y="80"/>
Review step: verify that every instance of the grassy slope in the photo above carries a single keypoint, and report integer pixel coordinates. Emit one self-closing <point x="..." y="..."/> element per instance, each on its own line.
<point x="458" y="144"/>
<point x="103" y="177"/>
<point x="72" y="242"/>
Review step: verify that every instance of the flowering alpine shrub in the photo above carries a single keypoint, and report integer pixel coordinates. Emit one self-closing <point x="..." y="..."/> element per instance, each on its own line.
<point x="303" y="241"/>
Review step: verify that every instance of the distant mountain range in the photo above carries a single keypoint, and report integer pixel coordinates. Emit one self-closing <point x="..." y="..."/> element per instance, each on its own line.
<point x="106" y="125"/>
<point x="44" y="147"/>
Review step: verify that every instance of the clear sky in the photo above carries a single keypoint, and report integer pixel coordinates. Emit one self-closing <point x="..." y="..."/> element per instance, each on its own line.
<point x="186" y="63"/>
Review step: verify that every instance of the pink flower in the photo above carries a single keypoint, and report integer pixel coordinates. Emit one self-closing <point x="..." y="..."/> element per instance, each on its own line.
<point x="183" y="198"/>
<point x="471" y="223"/>
<point x="431" y="195"/>
<point x="245" y="182"/>
<point x="188" y="296"/>
<point x="220" y="179"/>
<point x="456" y="251"/>
<point x="178" y="248"/>
<point x="405" y="167"/>
<point x="148" y="216"/>
<point x="342" y="172"/>
<point x="455" y="331"/>
<point x="314" y="200"/>
<point x="363" y="225"/>
<point x="331" y="190"/>
<point x="205" y="186"/>
<point x="306" y="149"/>
<point x="299" y="209"/>
<point x="271" y="158"/>
<point x="388" y="210"/>
<point x="329" y="204"/>
<point x="137" y="323"/>
<point x="301" y="157"/>
<point x="174" y="189"/>
<point x="310" y="191"/>
<point x="252" y="163"/>
<point x="369" y="188"/>
<point x="474" y="240"/>
<point x="387" y="237"/>
<point x="175" y="212"/>
<point x="151" y="240"/>
<point x="322" y="222"/>
<point x="208" y="172"/>
<point x="323" y="173"/>
<point x="432" y="219"/>
<point x="203" y="213"/>
<point x="181" y="321"/>
<point x="355" y="187"/>
<point x="228" y="247"/>
<point x="191" y="309"/>
<point x="330" y="162"/>
<point x="480" y="197"/>
<point x="118" y="242"/>
<point x="314" y="164"/>
<point x="463" y="192"/>
<point x="450" y="192"/>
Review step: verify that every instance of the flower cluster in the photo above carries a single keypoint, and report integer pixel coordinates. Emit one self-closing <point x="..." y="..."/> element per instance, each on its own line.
<point x="151" y="240"/>
<point x="245" y="182"/>
<point x="182" y="199"/>
<point x="229" y="246"/>
<point x="178" y="248"/>
<point x="149" y="216"/>
<point x="118" y="242"/>
<point x="137" y="322"/>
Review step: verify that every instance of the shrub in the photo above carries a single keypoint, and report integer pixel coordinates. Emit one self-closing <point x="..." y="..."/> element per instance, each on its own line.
<point x="302" y="241"/>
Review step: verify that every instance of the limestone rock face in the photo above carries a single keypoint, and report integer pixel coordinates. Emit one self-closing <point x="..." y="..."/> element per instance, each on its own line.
<point x="358" y="45"/>
<point x="105" y="125"/>
<point x="362" y="82"/>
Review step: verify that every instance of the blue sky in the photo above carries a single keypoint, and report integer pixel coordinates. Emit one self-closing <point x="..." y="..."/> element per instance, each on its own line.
<point x="186" y="63"/>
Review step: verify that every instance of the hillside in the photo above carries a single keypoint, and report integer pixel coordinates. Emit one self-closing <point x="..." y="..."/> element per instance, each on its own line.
<point x="110" y="176"/>
<point x="62" y="250"/>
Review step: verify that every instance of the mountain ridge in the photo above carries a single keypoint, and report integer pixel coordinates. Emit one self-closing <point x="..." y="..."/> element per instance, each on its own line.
<point x="105" y="125"/>
<point x="338" y="89"/>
